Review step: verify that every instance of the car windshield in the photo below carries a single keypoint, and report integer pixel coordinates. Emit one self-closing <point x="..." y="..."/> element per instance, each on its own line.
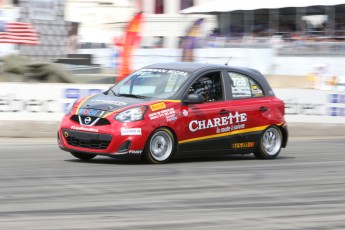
<point x="153" y="83"/>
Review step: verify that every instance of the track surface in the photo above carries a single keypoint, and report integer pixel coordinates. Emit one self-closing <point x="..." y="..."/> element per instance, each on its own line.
<point x="42" y="187"/>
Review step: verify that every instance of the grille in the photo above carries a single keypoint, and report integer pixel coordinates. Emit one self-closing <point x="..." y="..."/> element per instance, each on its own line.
<point x="75" y="118"/>
<point x="93" y="144"/>
<point x="101" y="121"/>
<point x="88" y="140"/>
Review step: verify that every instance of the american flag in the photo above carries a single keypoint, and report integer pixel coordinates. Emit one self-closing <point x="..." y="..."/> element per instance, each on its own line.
<point x="18" y="33"/>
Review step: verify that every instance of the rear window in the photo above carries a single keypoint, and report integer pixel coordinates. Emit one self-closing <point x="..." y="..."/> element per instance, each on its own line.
<point x="243" y="86"/>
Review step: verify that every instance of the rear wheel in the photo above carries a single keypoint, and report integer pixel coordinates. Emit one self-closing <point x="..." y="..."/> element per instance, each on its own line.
<point x="270" y="143"/>
<point x="160" y="146"/>
<point x="83" y="156"/>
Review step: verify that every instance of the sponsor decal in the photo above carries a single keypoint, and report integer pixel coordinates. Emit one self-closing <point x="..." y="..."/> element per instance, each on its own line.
<point x="177" y="72"/>
<point x="135" y="152"/>
<point x="142" y="71"/>
<point x="230" y="128"/>
<point x="111" y="102"/>
<point x="79" y="128"/>
<point x="154" y="70"/>
<point x="130" y="131"/>
<point x="185" y="112"/>
<point x="158" y="106"/>
<point x="163" y="113"/>
<point x="243" y="145"/>
<point x="237" y="117"/>
<point x="173" y="118"/>
<point x="90" y="112"/>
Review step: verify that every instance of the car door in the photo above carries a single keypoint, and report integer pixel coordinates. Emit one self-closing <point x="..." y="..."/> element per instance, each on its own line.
<point x="202" y="122"/>
<point x="250" y="110"/>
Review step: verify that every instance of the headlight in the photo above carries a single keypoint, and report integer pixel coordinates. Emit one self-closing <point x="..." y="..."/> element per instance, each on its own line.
<point x="134" y="114"/>
<point x="70" y="107"/>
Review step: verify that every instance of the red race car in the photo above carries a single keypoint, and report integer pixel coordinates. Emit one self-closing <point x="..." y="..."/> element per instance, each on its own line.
<point x="178" y="109"/>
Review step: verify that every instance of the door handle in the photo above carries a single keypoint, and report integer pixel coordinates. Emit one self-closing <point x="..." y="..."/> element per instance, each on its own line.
<point x="263" y="109"/>
<point x="224" y="111"/>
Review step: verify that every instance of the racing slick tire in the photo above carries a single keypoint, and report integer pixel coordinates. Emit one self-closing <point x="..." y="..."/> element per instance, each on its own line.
<point x="160" y="147"/>
<point x="270" y="143"/>
<point x="83" y="156"/>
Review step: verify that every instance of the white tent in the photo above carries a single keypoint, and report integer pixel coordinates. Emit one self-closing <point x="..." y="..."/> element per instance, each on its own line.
<point x="215" y="6"/>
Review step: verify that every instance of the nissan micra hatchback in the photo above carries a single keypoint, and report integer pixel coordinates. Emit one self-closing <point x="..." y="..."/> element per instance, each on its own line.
<point x="178" y="109"/>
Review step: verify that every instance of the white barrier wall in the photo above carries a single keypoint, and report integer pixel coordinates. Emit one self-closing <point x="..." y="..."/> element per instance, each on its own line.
<point x="47" y="102"/>
<point x="313" y="106"/>
<point x="40" y="102"/>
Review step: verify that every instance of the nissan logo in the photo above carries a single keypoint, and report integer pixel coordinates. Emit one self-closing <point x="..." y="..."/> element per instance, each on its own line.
<point x="87" y="120"/>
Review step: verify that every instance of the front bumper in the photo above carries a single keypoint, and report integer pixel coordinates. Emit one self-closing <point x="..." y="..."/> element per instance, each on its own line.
<point x="105" y="140"/>
<point x="86" y="140"/>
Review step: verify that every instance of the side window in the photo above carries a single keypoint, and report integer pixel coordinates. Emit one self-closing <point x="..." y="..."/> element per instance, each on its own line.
<point x="209" y="86"/>
<point x="244" y="86"/>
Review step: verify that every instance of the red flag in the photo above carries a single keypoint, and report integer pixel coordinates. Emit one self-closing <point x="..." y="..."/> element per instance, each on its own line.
<point x="18" y="33"/>
<point x="131" y="40"/>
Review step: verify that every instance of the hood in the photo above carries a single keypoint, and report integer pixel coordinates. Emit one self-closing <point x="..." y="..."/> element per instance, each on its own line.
<point x="101" y="104"/>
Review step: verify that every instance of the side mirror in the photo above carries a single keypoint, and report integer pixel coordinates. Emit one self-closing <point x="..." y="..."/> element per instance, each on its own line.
<point x="194" y="99"/>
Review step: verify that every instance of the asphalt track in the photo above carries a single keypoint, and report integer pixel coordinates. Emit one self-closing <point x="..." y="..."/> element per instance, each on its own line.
<point x="42" y="187"/>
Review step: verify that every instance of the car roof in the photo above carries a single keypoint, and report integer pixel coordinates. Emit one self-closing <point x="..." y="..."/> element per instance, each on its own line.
<point x="195" y="66"/>
<point x="184" y="66"/>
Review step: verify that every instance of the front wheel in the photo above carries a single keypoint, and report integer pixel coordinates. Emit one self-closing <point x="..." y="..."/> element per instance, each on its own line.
<point x="160" y="146"/>
<point x="83" y="156"/>
<point x="270" y="143"/>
